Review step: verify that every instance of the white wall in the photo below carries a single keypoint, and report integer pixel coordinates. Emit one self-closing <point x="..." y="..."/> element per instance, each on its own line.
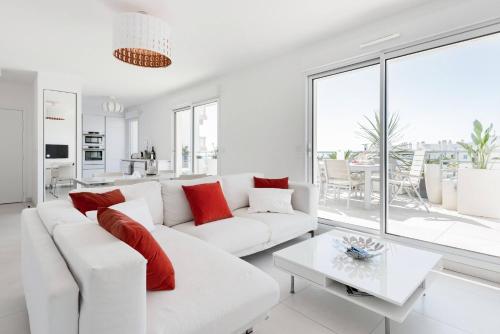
<point x="20" y="97"/>
<point x="263" y="107"/>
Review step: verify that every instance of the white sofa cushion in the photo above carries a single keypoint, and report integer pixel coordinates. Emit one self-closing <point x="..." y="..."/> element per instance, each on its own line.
<point x="281" y="225"/>
<point x="270" y="200"/>
<point x="236" y="187"/>
<point x="175" y="205"/>
<point x="111" y="277"/>
<point x="58" y="212"/>
<point x="215" y="291"/>
<point x="150" y="191"/>
<point x="232" y="234"/>
<point x="136" y="209"/>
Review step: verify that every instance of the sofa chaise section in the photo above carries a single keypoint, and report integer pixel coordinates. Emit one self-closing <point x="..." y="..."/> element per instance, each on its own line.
<point x="215" y="291"/>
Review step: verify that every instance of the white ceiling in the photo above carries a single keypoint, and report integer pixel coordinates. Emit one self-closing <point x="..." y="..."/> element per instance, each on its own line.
<point x="209" y="37"/>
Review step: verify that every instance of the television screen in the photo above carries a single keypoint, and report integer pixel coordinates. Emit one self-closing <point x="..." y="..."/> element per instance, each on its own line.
<point x="56" y="151"/>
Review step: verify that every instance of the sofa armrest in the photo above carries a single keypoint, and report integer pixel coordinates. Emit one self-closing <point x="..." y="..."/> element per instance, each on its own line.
<point x="111" y="277"/>
<point x="305" y="197"/>
<point x="50" y="291"/>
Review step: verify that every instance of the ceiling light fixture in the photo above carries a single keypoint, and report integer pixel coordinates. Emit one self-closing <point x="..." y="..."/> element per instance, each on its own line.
<point x="142" y="40"/>
<point x="379" y="40"/>
<point x="112" y="106"/>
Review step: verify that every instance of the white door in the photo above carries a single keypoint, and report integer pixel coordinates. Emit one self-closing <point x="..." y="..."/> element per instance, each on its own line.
<point x="11" y="151"/>
<point x="115" y="143"/>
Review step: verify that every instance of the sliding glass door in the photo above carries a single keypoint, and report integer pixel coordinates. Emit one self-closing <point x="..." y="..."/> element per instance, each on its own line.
<point x="433" y="109"/>
<point x="347" y="160"/>
<point x="196" y="139"/>
<point x="444" y="172"/>
<point x="183" y="141"/>
<point x="205" y="138"/>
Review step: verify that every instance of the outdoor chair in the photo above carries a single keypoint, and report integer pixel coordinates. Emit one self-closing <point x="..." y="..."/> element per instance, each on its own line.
<point x="409" y="181"/>
<point x="339" y="176"/>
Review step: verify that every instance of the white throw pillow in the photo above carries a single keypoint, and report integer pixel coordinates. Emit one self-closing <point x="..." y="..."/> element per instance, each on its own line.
<point x="136" y="209"/>
<point x="270" y="200"/>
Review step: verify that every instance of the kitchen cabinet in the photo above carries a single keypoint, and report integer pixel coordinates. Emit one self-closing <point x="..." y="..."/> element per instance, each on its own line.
<point x="88" y="173"/>
<point x="115" y="143"/>
<point x="93" y="123"/>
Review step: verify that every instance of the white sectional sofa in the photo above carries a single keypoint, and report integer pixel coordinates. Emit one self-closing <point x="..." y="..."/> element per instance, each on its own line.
<point x="80" y="279"/>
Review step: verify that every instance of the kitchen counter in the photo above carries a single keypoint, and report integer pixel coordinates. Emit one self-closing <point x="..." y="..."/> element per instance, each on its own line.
<point x="135" y="160"/>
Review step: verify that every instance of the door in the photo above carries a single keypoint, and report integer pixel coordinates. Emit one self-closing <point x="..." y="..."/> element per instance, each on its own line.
<point x="205" y="138"/>
<point x="345" y="163"/>
<point x="11" y="150"/>
<point x="115" y="143"/>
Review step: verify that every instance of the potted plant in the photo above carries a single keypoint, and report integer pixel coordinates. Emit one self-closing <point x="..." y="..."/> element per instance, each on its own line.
<point x="185" y="156"/>
<point x="479" y="187"/>
<point x="432" y="176"/>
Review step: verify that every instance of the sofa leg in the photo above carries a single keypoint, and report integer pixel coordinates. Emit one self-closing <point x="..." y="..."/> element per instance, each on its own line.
<point x="249" y="331"/>
<point x="311" y="233"/>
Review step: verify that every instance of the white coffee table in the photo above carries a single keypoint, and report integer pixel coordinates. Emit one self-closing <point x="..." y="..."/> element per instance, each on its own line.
<point x="396" y="279"/>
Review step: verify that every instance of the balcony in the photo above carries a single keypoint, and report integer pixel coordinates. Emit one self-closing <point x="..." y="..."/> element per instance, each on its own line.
<point x="430" y="213"/>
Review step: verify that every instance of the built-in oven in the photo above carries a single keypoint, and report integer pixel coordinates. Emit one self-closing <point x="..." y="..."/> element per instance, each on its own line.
<point x="93" y="155"/>
<point x="93" y="139"/>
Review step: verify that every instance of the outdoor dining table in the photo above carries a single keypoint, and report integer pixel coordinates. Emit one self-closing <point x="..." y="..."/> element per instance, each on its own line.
<point x="367" y="170"/>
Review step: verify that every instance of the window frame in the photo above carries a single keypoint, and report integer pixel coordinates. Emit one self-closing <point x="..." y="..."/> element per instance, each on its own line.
<point x="191" y="107"/>
<point x="468" y="258"/>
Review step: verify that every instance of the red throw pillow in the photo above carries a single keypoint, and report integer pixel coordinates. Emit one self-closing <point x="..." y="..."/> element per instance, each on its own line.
<point x="160" y="273"/>
<point x="207" y="202"/>
<point x="270" y="183"/>
<point x="86" y="201"/>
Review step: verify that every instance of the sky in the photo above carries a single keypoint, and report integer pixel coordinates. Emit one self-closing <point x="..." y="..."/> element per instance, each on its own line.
<point x="437" y="94"/>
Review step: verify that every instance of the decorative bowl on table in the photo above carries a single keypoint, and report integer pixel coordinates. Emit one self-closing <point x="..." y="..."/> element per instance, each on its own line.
<point x="359" y="248"/>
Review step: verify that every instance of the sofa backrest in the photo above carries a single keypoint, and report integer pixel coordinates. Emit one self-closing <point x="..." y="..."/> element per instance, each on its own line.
<point x="236" y="189"/>
<point x="150" y="191"/>
<point x="50" y="291"/>
<point x="176" y="208"/>
<point x="111" y="277"/>
<point x="54" y="213"/>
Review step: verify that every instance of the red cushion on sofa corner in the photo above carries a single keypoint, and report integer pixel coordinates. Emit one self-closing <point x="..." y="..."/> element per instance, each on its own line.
<point x="87" y="201"/>
<point x="207" y="202"/>
<point x="160" y="273"/>
<point x="270" y="183"/>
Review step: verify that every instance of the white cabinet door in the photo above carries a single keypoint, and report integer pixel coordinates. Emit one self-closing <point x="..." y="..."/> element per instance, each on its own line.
<point x="11" y="150"/>
<point x="93" y="123"/>
<point x="115" y="143"/>
<point x="88" y="173"/>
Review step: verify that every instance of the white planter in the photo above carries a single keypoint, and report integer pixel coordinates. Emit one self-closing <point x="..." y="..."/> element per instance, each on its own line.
<point x="432" y="174"/>
<point x="478" y="192"/>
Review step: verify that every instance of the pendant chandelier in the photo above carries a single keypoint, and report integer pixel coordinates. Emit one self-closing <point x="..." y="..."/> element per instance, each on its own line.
<point x="142" y="40"/>
<point x="112" y="106"/>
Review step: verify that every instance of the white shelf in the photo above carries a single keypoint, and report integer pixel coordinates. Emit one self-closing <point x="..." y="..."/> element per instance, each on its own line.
<point x="374" y="304"/>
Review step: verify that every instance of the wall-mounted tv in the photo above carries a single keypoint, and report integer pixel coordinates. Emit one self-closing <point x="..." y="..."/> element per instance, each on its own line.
<point x="56" y="151"/>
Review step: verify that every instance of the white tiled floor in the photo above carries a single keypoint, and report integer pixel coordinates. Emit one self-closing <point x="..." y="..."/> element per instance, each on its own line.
<point x="453" y="305"/>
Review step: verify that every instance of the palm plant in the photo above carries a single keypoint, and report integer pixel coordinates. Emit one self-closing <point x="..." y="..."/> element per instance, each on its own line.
<point x="483" y="144"/>
<point x="372" y="131"/>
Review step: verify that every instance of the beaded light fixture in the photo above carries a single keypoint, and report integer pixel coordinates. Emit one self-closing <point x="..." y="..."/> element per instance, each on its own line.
<point x="142" y="40"/>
